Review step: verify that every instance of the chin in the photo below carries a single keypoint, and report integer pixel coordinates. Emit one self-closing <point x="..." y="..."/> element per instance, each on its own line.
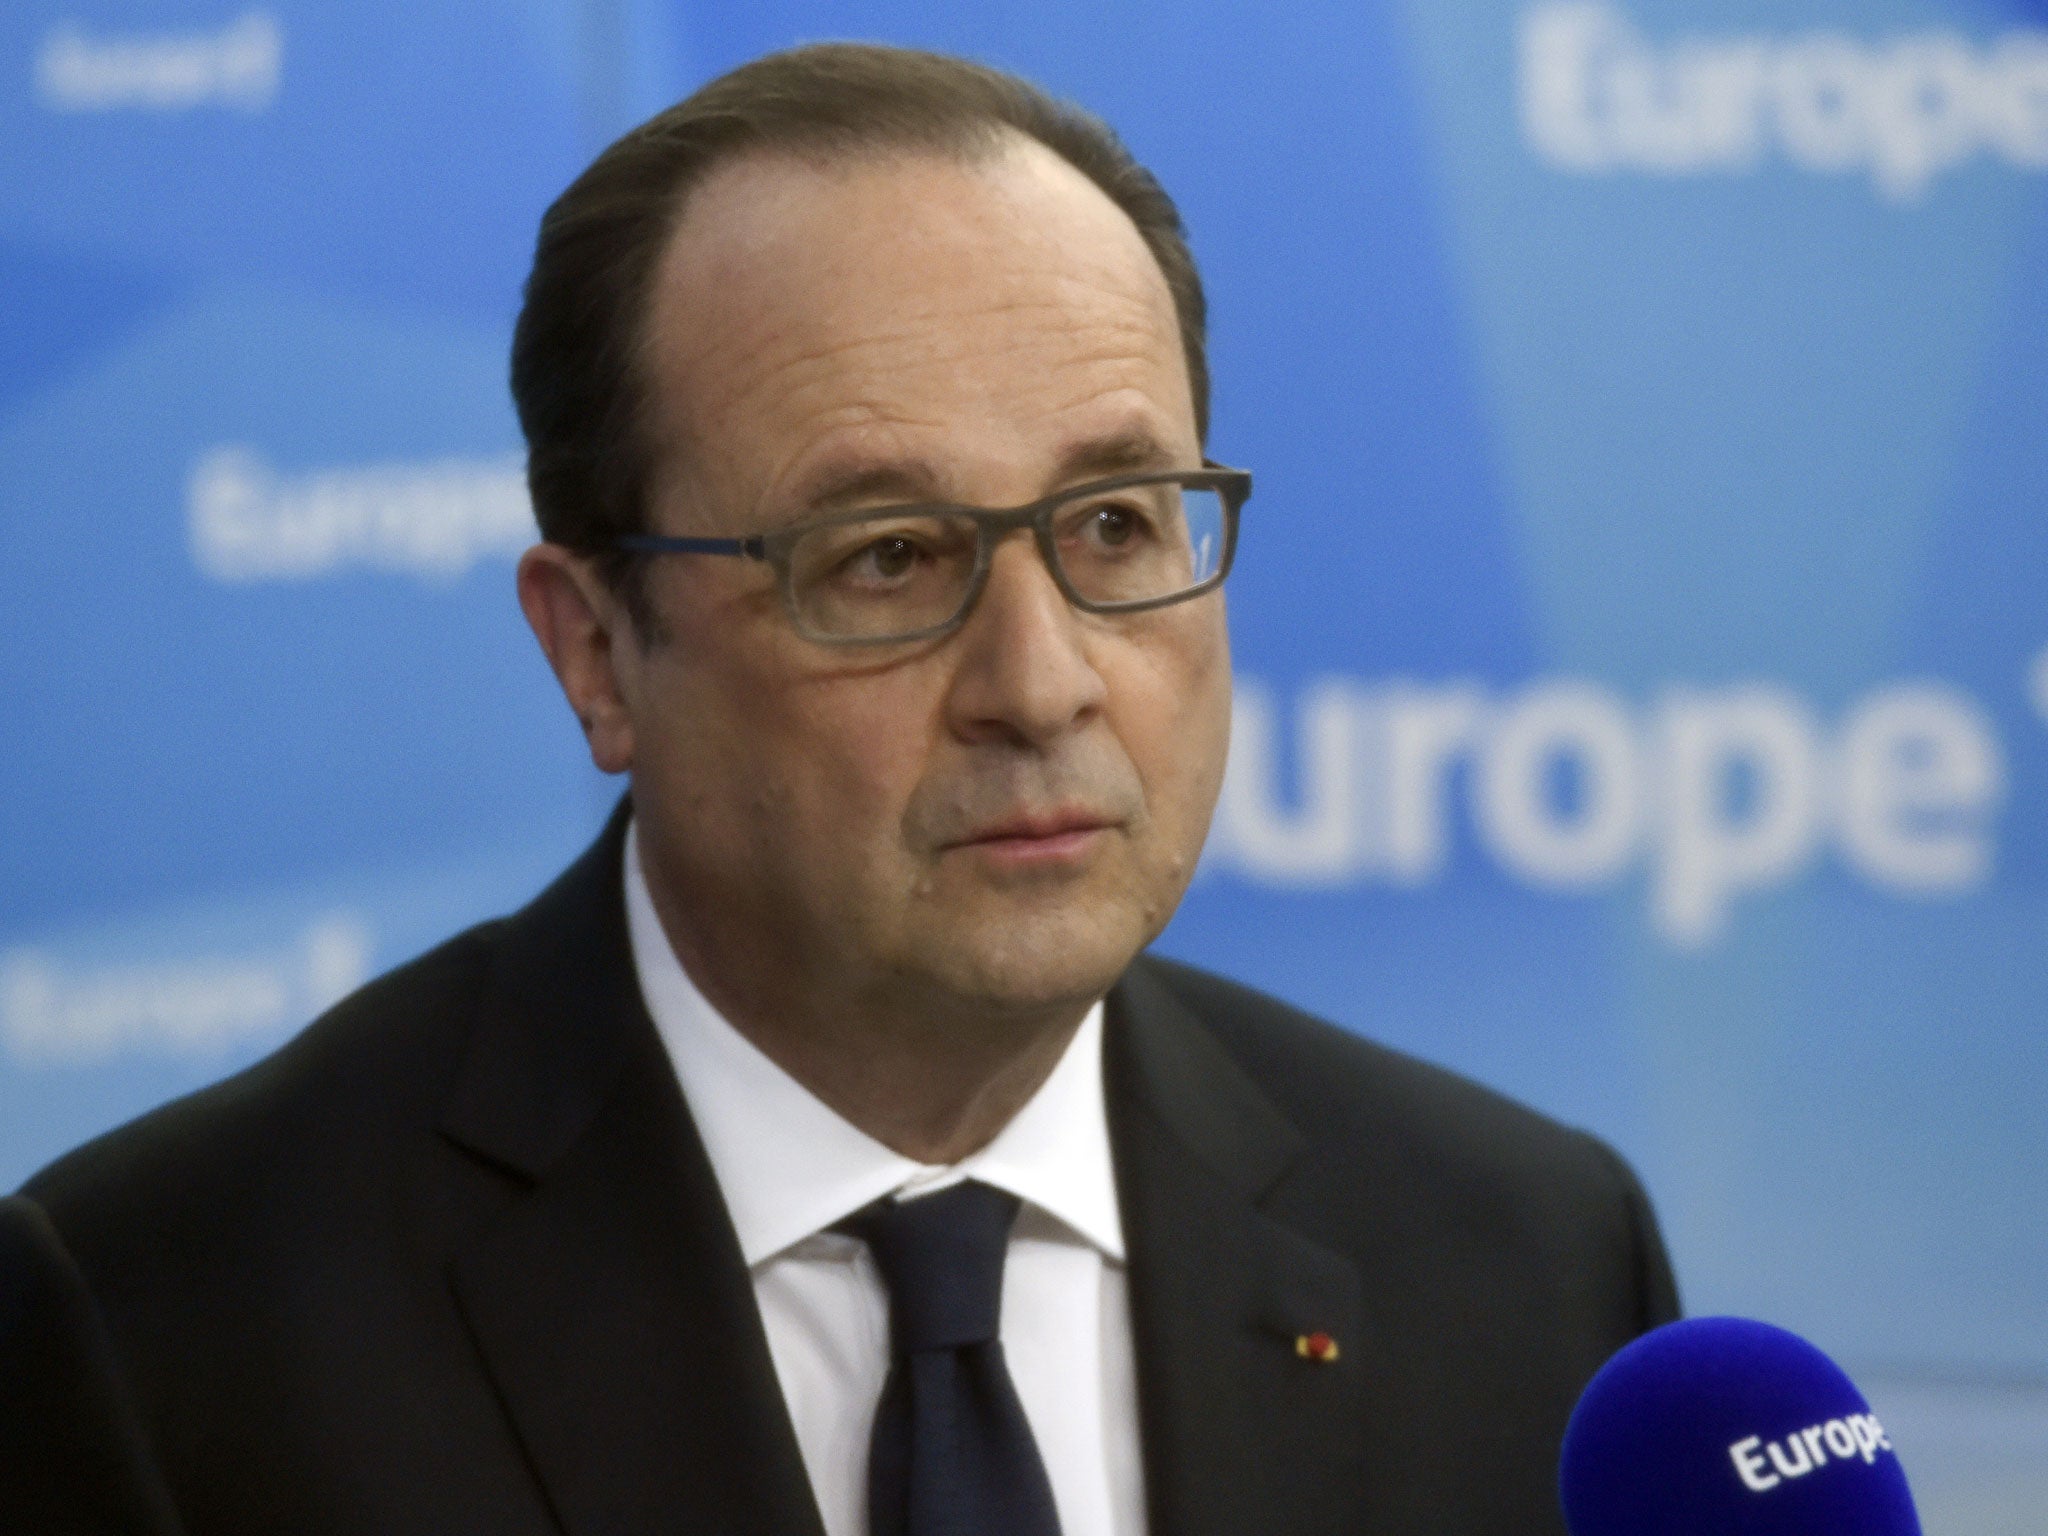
<point x="1029" y="968"/>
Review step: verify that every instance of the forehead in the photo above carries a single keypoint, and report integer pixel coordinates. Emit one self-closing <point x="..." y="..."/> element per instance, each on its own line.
<point x="804" y="307"/>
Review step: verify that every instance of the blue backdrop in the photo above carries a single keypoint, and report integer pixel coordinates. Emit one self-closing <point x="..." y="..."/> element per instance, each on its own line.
<point x="1642" y="620"/>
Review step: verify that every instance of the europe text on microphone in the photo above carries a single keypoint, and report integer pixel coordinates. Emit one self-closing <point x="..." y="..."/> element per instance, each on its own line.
<point x="1718" y="1426"/>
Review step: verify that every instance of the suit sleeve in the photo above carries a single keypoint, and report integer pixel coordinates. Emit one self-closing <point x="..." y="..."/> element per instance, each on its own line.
<point x="74" y="1460"/>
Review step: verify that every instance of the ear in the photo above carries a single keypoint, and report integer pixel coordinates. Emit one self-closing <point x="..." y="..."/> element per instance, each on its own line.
<point x="585" y="632"/>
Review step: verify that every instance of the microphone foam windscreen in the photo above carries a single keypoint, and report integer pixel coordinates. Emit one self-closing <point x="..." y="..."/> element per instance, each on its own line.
<point x="1718" y="1426"/>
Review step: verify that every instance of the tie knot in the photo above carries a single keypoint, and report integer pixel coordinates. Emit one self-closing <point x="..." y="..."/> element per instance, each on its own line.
<point x="941" y="1257"/>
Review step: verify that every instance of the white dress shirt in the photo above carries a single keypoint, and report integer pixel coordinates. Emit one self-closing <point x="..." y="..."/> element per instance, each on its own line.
<point x="790" y="1167"/>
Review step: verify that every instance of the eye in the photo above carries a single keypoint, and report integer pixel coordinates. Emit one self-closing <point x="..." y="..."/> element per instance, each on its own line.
<point x="1114" y="525"/>
<point x="1118" y="526"/>
<point x="887" y="558"/>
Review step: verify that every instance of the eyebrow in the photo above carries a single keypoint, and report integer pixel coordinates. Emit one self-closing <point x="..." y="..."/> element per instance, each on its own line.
<point x="1129" y="452"/>
<point x="1133" y="450"/>
<point x="898" y="481"/>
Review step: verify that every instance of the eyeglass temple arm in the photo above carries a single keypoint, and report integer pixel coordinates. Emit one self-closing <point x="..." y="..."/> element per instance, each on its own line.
<point x="681" y="544"/>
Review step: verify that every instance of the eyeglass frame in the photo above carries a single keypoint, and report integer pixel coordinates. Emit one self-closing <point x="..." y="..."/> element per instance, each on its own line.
<point x="1232" y="486"/>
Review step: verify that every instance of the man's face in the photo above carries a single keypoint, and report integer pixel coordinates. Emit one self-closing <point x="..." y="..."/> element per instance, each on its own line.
<point x="995" y="820"/>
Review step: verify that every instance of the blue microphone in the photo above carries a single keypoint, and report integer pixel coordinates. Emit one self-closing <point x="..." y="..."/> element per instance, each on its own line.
<point x="1718" y="1426"/>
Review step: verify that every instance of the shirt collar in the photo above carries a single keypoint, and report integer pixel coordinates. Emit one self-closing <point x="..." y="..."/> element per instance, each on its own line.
<point x="790" y="1166"/>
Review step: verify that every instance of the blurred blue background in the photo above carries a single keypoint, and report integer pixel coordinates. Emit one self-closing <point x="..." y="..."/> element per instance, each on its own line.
<point x="1642" y="619"/>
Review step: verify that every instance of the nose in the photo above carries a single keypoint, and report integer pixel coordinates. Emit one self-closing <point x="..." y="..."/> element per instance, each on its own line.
<point x="1023" y="670"/>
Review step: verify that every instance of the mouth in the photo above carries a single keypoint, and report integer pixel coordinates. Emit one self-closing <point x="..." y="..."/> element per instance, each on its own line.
<point x="1030" y="842"/>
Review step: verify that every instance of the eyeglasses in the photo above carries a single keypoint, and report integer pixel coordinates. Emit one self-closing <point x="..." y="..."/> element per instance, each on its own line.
<point x="913" y="573"/>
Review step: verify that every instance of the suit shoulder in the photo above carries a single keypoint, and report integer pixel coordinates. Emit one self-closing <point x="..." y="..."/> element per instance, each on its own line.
<point x="1340" y="1087"/>
<point x="1393" y="1141"/>
<point x="377" y="1060"/>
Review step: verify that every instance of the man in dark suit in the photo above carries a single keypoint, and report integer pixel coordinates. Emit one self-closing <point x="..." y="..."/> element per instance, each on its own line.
<point x="865" y="400"/>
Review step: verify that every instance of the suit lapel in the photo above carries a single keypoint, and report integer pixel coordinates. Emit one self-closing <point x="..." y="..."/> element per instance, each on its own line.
<point x="1241" y="1432"/>
<point x="610" y="1302"/>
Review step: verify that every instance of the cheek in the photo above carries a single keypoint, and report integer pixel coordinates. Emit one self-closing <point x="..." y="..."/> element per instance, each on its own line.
<point x="847" y="755"/>
<point x="1175" y="719"/>
<point x="753" y="716"/>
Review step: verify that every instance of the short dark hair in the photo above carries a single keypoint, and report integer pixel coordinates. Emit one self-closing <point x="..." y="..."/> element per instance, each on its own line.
<point x="575" y="353"/>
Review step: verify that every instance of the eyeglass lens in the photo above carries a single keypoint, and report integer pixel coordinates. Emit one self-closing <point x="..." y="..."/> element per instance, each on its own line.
<point x="904" y="573"/>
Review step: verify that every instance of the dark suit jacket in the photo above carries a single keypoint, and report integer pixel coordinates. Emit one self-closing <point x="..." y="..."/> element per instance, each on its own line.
<point x="454" y="1261"/>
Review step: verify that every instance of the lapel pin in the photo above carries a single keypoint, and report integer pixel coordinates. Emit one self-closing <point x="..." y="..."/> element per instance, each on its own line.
<point x="1319" y="1347"/>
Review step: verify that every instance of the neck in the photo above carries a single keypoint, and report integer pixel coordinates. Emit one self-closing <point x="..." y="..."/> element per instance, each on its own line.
<point x="928" y="1103"/>
<point x="932" y="1078"/>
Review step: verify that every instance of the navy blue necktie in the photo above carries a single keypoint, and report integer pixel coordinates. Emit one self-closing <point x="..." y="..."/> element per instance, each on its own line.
<point x="952" y="1453"/>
